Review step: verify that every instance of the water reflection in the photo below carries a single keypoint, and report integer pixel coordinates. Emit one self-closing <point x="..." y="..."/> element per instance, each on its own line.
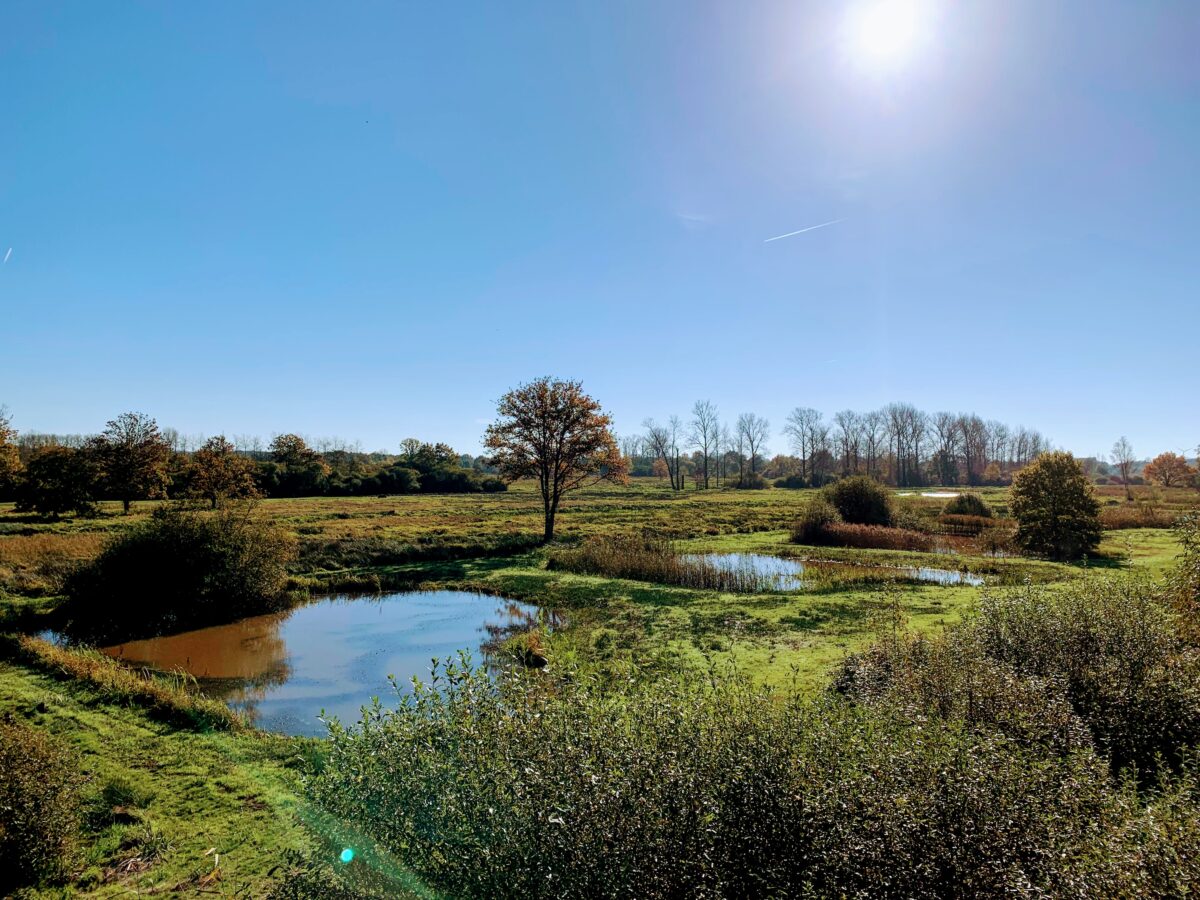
<point x="786" y="574"/>
<point x="333" y="654"/>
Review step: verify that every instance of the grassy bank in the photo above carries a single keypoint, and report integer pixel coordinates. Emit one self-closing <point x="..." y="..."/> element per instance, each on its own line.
<point x="214" y="810"/>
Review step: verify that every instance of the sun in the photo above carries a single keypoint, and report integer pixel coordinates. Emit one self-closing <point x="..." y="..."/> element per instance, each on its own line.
<point x="883" y="35"/>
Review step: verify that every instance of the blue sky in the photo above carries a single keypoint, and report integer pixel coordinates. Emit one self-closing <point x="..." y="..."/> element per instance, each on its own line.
<point x="369" y="220"/>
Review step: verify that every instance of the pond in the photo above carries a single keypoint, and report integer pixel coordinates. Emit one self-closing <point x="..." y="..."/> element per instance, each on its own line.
<point x="333" y="654"/>
<point x="786" y="574"/>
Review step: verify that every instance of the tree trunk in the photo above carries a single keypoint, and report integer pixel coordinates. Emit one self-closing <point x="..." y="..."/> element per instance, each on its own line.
<point x="125" y="503"/>
<point x="548" y="535"/>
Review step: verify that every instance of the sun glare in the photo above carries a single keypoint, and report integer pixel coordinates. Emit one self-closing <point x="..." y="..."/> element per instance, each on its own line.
<point x="886" y="34"/>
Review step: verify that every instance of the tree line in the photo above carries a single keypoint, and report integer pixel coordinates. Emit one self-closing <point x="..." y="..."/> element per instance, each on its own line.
<point x="133" y="459"/>
<point x="898" y="444"/>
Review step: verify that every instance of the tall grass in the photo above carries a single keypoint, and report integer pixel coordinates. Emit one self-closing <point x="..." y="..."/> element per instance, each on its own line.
<point x="39" y="564"/>
<point x="1137" y="515"/>
<point x="170" y="697"/>
<point x="658" y="560"/>
<point x="864" y="537"/>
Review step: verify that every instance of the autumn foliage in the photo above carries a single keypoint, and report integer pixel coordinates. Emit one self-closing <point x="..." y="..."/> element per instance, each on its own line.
<point x="551" y="431"/>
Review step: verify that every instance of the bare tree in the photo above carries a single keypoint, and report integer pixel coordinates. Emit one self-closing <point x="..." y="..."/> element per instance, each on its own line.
<point x="1123" y="458"/>
<point x="754" y="431"/>
<point x="802" y="428"/>
<point x="664" y="443"/>
<point x="705" y="426"/>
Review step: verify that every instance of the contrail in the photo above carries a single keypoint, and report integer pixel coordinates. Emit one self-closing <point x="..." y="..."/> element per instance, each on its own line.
<point x="7" y="255"/>
<point x="802" y="230"/>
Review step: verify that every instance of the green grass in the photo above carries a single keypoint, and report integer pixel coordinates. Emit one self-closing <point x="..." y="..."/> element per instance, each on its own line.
<point x="205" y="793"/>
<point x="233" y="793"/>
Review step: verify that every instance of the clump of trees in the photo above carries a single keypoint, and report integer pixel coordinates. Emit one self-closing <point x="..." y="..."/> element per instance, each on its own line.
<point x="133" y="459"/>
<point x="1055" y="507"/>
<point x="181" y="569"/>
<point x="898" y="444"/>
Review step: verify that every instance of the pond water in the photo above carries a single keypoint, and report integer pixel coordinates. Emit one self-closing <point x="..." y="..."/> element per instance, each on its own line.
<point x="787" y="574"/>
<point x="332" y="655"/>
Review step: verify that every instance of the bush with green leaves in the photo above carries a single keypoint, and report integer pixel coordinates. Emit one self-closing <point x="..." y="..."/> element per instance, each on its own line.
<point x="718" y="787"/>
<point x="860" y="500"/>
<point x="181" y="568"/>
<point x="813" y="523"/>
<point x="40" y="806"/>
<point x="968" y="505"/>
<point x="1055" y="507"/>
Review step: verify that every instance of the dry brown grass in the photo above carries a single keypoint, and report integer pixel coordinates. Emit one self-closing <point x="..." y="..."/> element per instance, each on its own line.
<point x="37" y="563"/>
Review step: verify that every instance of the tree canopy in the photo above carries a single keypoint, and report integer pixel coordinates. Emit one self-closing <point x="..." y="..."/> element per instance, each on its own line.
<point x="551" y="431"/>
<point x="1056" y="510"/>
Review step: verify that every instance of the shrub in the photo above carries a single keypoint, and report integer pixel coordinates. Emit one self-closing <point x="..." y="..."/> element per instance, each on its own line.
<point x="1184" y="583"/>
<point x="818" y="515"/>
<point x="792" y="482"/>
<point x="860" y="500"/>
<point x="751" y="481"/>
<point x="40" y="805"/>
<point x="714" y="786"/>
<point x="968" y="505"/>
<point x="181" y="569"/>
<point x="1112" y="646"/>
<point x="1056" y="510"/>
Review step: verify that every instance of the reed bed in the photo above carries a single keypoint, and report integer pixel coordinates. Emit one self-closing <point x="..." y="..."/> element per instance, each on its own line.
<point x="1140" y="515"/>
<point x="658" y="560"/>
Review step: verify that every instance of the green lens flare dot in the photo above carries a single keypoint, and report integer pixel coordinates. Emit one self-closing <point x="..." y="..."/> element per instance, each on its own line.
<point x="347" y="855"/>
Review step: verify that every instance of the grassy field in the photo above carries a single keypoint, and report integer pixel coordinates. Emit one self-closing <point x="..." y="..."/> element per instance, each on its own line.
<point x="218" y="807"/>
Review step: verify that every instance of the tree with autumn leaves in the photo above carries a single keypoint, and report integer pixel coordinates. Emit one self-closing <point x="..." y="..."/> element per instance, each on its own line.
<point x="1168" y="470"/>
<point x="554" y="433"/>
<point x="220" y="473"/>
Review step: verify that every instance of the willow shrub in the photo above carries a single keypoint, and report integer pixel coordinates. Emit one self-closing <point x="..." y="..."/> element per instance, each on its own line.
<point x="719" y="788"/>
<point x="181" y="568"/>
<point x="39" y="806"/>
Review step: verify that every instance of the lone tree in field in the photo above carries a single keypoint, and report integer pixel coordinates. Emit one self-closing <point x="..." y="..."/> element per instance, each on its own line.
<point x="1124" y="459"/>
<point x="552" y="431"/>
<point x="1169" y="470"/>
<point x="1056" y="511"/>
<point x="219" y="473"/>
<point x="132" y="455"/>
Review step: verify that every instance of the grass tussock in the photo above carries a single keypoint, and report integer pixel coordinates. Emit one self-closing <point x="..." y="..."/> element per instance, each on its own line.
<point x="40" y="806"/>
<point x="656" y="559"/>
<point x="172" y="698"/>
